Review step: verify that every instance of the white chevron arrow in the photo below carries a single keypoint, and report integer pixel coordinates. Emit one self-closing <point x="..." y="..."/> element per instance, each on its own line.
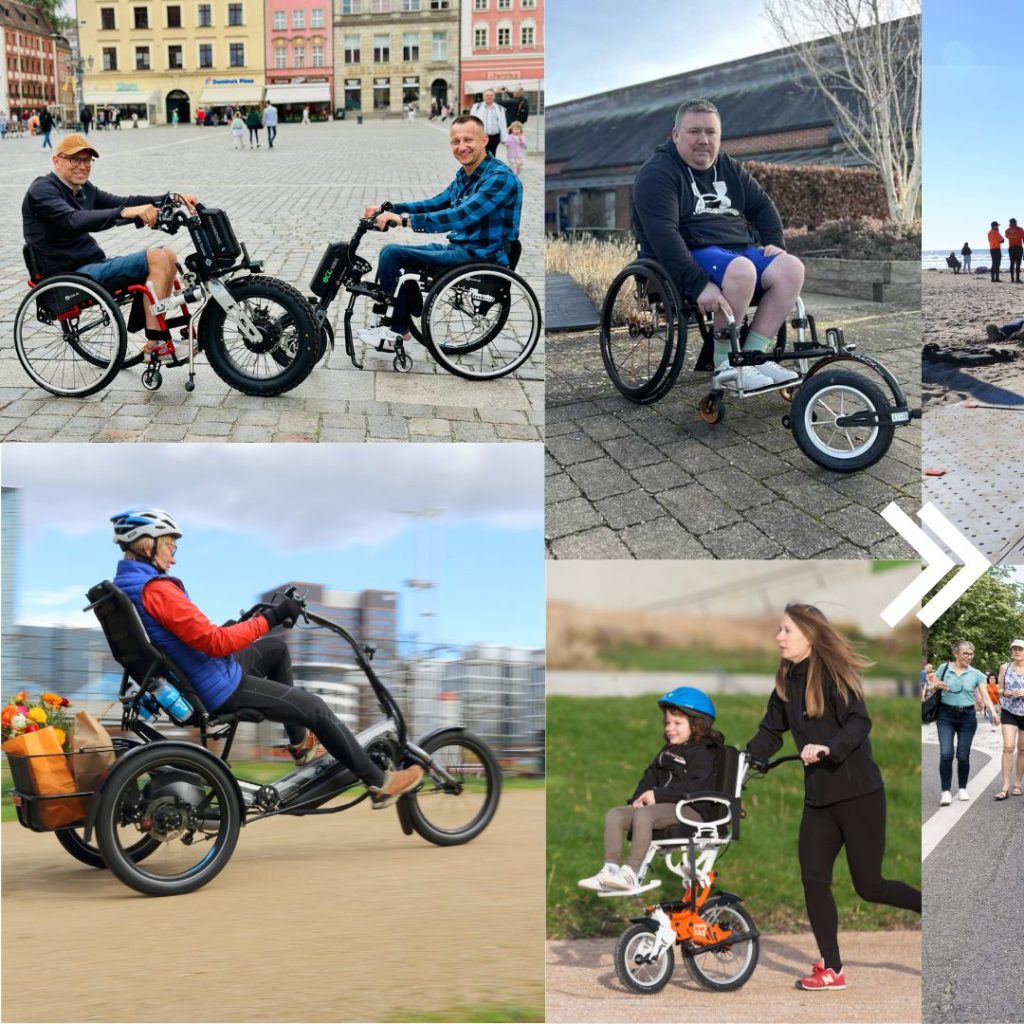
<point x="937" y="562"/>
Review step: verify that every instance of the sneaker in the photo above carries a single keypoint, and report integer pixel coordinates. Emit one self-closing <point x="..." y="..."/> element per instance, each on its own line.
<point x="946" y="799"/>
<point x="624" y="880"/>
<point x="963" y="795"/>
<point x="599" y="882"/>
<point x="379" y="339"/>
<point x="734" y="377"/>
<point x="824" y="980"/>
<point x="305" y="750"/>
<point x="777" y="374"/>
<point x="395" y="784"/>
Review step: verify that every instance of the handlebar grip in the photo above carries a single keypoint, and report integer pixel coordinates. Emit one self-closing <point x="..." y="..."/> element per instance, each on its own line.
<point x="386" y="207"/>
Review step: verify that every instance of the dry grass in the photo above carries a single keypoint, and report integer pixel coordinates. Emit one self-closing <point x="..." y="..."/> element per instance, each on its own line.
<point x="591" y="263"/>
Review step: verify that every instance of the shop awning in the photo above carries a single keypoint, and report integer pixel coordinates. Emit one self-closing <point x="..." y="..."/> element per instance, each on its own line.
<point x="319" y="92"/>
<point x="224" y="95"/>
<point x="528" y="84"/>
<point x="121" y="97"/>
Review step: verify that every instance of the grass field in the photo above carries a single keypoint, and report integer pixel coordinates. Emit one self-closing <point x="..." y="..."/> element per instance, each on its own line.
<point x="597" y="750"/>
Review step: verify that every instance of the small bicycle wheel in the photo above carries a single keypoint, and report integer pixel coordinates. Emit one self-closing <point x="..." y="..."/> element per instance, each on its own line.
<point x="70" y="336"/>
<point x="458" y="798"/>
<point x="634" y="965"/>
<point x="73" y="841"/>
<point x="711" y="409"/>
<point x="730" y="966"/>
<point x="822" y="400"/>
<point x="283" y="353"/>
<point x="481" y="321"/>
<point x="643" y="342"/>
<point x="179" y="797"/>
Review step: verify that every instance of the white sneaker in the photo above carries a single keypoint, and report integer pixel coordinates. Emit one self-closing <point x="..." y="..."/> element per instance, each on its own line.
<point x="946" y="799"/>
<point x="379" y="339"/>
<point x="963" y="795"/>
<point x="600" y="881"/>
<point x="735" y="377"/>
<point x="777" y="374"/>
<point x="624" y="879"/>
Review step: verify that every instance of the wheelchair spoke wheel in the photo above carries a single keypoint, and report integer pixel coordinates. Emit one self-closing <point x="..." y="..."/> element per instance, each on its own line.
<point x="731" y="966"/>
<point x="459" y="796"/>
<point x="283" y="352"/>
<point x="481" y="321"/>
<point x="182" y="800"/>
<point x="820" y="404"/>
<point x="643" y="342"/>
<point x="634" y="965"/>
<point x="70" y="336"/>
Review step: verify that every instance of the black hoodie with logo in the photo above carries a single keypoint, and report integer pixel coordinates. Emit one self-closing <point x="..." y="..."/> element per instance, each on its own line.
<point x="680" y="769"/>
<point x="677" y="209"/>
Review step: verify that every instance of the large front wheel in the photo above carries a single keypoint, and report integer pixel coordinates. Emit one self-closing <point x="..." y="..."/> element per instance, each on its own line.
<point x="183" y="801"/>
<point x="460" y="790"/>
<point x="269" y="344"/>
<point x="731" y="966"/>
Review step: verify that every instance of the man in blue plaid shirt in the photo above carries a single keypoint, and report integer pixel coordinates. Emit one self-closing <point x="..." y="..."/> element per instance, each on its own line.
<point x="479" y="210"/>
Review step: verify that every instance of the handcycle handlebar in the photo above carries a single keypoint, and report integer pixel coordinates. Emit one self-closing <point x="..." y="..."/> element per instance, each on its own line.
<point x="370" y="223"/>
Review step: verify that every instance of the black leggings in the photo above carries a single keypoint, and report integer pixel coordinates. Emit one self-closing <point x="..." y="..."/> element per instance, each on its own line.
<point x="859" y="825"/>
<point x="254" y="133"/>
<point x="997" y="259"/>
<point x="1015" y="254"/>
<point x="267" y="686"/>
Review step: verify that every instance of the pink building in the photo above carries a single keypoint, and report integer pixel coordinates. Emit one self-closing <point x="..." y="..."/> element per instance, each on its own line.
<point x="503" y="46"/>
<point x="300" y="57"/>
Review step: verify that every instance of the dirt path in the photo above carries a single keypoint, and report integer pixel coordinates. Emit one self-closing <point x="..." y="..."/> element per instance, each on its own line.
<point x="883" y="968"/>
<point x="321" y="919"/>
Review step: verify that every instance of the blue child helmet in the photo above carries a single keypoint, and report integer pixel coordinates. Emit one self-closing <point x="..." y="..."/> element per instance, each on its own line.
<point x="689" y="698"/>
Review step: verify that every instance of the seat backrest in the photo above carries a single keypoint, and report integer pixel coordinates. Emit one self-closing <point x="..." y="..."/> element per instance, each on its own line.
<point x="515" y="250"/>
<point x="32" y="262"/>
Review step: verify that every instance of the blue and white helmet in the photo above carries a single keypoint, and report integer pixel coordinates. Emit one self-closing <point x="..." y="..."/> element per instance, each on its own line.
<point x="690" y="699"/>
<point x="143" y="522"/>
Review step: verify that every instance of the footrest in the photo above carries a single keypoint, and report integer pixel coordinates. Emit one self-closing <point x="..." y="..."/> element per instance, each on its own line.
<point x="631" y="892"/>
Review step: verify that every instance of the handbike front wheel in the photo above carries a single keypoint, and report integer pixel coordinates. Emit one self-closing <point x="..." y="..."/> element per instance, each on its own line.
<point x="458" y="798"/>
<point x="69" y="335"/>
<point x="179" y="797"/>
<point x="725" y="969"/>
<point x="634" y="965"/>
<point x="824" y="399"/>
<point x="481" y="321"/>
<point x="285" y="351"/>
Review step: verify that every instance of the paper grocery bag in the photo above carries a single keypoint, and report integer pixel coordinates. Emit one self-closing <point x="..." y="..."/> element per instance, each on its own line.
<point x="87" y="734"/>
<point x="48" y="769"/>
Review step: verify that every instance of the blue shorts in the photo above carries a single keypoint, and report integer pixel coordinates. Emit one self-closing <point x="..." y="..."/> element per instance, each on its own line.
<point x="134" y="267"/>
<point x="714" y="260"/>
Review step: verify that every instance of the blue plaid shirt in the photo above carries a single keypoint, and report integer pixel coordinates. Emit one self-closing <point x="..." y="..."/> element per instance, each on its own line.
<point x="480" y="211"/>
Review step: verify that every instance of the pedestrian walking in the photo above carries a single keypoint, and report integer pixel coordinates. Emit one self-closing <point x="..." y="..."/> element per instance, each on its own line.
<point x="515" y="147"/>
<point x="238" y="130"/>
<point x="254" y="122"/>
<point x="270" y="122"/>
<point x="3" y="124"/>
<point x="305" y="115"/>
<point x="46" y="126"/>
<point x="1011" y="713"/>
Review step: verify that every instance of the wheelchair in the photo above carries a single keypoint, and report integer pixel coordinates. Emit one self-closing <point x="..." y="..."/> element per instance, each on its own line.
<point x="478" y="320"/>
<point x="841" y="420"/>
<point x="165" y="817"/>
<point x="73" y="334"/>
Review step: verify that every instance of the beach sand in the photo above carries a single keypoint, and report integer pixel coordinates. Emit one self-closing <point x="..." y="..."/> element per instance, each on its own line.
<point x="956" y="309"/>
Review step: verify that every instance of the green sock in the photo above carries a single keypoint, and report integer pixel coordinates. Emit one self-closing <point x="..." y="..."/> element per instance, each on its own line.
<point x="722" y="350"/>
<point x="757" y="342"/>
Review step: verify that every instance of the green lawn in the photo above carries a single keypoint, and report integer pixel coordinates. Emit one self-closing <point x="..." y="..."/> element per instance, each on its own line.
<point x="597" y="750"/>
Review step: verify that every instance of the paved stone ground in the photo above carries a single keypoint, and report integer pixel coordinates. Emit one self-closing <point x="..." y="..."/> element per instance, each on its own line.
<point x="286" y="205"/>
<point x="628" y="481"/>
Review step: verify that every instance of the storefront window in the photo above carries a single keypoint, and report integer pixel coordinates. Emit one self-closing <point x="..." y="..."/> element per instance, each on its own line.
<point x="353" y="94"/>
<point x="381" y="94"/>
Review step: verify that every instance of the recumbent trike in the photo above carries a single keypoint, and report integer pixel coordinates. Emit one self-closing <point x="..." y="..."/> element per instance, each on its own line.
<point x="841" y="420"/>
<point x="166" y="816"/>
<point x="258" y="333"/>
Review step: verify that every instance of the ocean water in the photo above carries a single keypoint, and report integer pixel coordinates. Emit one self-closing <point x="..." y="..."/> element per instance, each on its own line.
<point x="936" y="258"/>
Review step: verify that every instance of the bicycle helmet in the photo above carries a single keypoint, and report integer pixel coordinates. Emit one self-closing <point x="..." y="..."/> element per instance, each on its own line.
<point x="689" y="698"/>
<point x="136" y="522"/>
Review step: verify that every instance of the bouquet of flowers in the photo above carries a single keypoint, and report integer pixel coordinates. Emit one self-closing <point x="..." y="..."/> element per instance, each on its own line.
<point x="20" y="716"/>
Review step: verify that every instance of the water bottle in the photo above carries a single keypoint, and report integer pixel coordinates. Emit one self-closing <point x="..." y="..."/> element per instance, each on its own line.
<point x="148" y="707"/>
<point x="171" y="700"/>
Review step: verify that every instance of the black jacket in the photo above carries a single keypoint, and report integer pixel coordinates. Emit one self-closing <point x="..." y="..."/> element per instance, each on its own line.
<point x="57" y="223"/>
<point x="667" y="225"/>
<point x="848" y="770"/>
<point x="679" y="770"/>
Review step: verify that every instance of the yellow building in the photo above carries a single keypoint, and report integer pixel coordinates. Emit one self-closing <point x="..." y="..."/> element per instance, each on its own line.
<point x="163" y="59"/>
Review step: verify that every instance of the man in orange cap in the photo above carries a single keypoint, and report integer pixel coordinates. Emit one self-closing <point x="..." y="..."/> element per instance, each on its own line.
<point x="62" y="209"/>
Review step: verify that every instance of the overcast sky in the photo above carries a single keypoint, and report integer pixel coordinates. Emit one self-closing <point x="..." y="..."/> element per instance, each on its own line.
<point x="254" y="516"/>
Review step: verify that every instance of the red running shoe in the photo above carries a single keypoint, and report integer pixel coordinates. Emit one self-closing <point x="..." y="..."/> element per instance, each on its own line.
<point x="823" y="979"/>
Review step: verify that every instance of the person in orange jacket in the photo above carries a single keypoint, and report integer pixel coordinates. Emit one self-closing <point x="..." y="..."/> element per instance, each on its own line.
<point x="1015" y="240"/>
<point x="995" y="241"/>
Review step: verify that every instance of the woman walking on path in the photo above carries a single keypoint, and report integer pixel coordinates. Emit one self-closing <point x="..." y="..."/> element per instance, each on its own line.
<point x="818" y="697"/>
<point x="957" y="718"/>
<point x="254" y="122"/>
<point x="1011" y="689"/>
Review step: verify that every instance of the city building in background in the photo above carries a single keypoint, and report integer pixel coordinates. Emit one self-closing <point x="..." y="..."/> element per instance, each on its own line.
<point x="300" y="58"/>
<point x="393" y="54"/>
<point x="502" y="49"/>
<point x="166" y="61"/>
<point x="10" y="534"/>
<point x="33" y="62"/>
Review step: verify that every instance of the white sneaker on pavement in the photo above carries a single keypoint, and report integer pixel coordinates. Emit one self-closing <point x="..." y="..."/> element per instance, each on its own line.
<point x="946" y="799"/>
<point x="963" y="795"/>
<point x="379" y="339"/>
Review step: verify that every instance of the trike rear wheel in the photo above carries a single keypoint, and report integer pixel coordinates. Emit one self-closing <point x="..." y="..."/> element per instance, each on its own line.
<point x="458" y="798"/>
<point x="633" y="963"/>
<point x="74" y="842"/>
<point x="725" y="969"/>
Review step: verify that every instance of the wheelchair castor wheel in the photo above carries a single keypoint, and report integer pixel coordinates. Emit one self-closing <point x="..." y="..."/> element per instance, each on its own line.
<point x="787" y="423"/>
<point x="788" y="394"/>
<point x="190" y="385"/>
<point x="402" y="362"/>
<point x="152" y="378"/>
<point x="711" y="409"/>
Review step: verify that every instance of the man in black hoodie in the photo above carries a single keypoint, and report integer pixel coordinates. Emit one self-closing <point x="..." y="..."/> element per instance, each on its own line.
<point x="695" y="211"/>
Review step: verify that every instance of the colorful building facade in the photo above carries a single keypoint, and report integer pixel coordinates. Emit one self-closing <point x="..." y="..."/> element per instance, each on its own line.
<point x="502" y="47"/>
<point x="34" y="62"/>
<point x="300" y="57"/>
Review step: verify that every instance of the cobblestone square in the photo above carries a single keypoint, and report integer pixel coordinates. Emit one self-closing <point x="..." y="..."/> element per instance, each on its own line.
<point x="286" y="205"/>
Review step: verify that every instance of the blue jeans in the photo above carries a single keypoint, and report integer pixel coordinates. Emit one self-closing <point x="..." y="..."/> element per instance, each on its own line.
<point x="46" y="140"/>
<point x="962" y="725"/>
<point x="135" y="267"/>
<point x="271" y="134"/>
<point x="412" y="259"/>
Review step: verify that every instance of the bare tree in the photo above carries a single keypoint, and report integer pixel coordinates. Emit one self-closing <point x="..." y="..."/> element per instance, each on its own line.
<point x="869" y="67"/>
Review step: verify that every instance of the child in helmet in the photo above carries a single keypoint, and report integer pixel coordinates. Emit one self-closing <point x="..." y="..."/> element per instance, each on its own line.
<point x="685" y="765"/>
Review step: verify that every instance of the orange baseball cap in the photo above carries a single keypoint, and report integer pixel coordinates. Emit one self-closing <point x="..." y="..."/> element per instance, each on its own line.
<point x="74" y="143"/>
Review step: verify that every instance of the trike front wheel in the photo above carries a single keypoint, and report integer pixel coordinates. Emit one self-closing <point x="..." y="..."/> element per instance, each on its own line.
<point x="634" y="964"/>
<point x="728" y="967"/>
<point x="460" y="790"/>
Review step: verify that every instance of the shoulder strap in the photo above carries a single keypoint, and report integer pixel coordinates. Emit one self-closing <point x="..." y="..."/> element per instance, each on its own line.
<point x="943" y="668"/>
<point x="1002" y="672"/>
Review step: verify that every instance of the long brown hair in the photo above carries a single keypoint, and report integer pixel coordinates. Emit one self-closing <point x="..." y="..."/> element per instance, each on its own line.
<point x="831" y="652"/>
